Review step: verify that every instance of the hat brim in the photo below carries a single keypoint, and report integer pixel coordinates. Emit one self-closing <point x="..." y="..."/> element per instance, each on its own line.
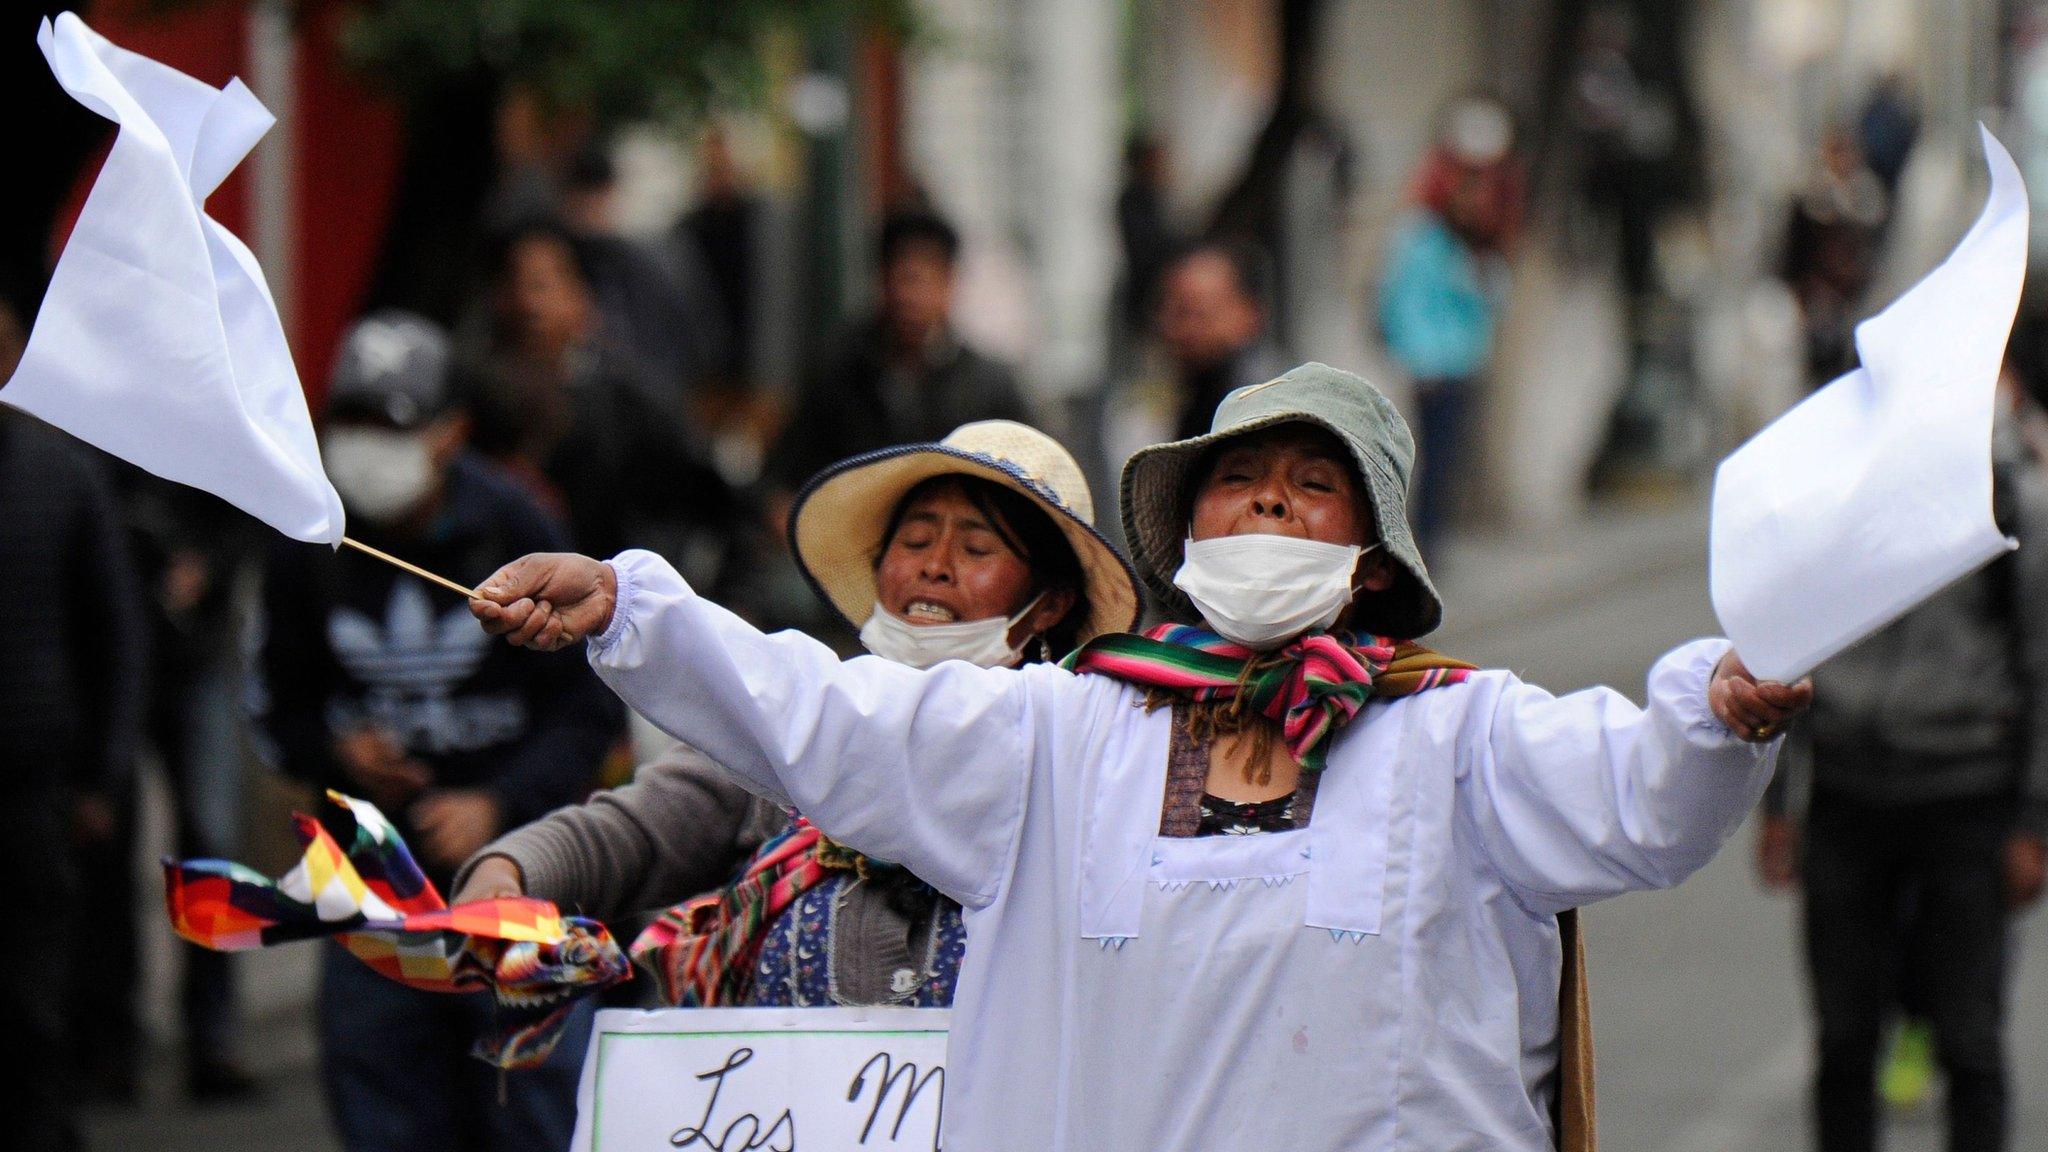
<point x="1156" y="498"/>
<point x="838" y="518"/>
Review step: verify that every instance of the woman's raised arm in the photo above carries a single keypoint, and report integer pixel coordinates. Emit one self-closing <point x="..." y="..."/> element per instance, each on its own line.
<point x="1584" y="797"/>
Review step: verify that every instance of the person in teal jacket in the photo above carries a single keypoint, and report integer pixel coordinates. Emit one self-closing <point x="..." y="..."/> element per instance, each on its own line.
<point x="1438" y="322"/>
<point x="1437" y="298"/>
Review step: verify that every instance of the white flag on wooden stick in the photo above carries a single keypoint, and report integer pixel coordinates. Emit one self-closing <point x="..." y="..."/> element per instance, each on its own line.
<point x="158" y="340"/>
<point x="1874" y="493"/>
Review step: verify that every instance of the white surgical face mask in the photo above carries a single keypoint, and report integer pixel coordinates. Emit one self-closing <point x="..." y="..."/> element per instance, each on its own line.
<point x="380" y="474"/>
<point x="1262" y="591"/>
<point x="982" y="643"/>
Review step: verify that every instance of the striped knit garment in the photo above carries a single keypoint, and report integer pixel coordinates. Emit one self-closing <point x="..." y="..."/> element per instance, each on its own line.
<point x="1311" y="687"/>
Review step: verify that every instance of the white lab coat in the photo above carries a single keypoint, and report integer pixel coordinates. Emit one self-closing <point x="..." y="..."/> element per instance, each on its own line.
<point x="1386" y="978"/>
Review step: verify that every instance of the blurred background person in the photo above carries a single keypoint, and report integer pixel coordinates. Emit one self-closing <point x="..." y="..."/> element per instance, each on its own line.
<point x="1145" y="240"/>
<point x="1630" y="133"/>
<point x="1925" y="825"/>
<point x="1443" y="287"/>
<point x="655" y="300"/>
<point x="193" y="551"/>
<point x="1832" y="243"/>
<point x="724" y="229"/>
<point x="1629" y="140"/>
<point x="1209" y="337"/>
<point x="1211" y="321"/>
<point x="533" y="141"/>
<point x="902" y="375"/>
<point x="577" y="420"/>
<point x="369" y="686"/>
<point x="1475" y="167"/>
<point x="1887" y="128"/>
<point x="71" y="697"/>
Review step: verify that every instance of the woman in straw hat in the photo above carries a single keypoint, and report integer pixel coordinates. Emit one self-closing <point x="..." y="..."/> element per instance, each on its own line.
<point x="979" y="548"/>
<point x="1377" y="965"/>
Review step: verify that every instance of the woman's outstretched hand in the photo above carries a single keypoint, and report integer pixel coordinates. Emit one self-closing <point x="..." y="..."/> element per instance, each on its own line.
<point x="1755" y="709"/>
<point x="548" y="600"/>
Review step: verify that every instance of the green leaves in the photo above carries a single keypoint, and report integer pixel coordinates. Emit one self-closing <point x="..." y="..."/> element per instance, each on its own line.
<point x="614" y="58"/>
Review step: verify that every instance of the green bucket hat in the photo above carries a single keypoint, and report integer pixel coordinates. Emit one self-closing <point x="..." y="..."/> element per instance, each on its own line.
<point x="1156" y="496"/>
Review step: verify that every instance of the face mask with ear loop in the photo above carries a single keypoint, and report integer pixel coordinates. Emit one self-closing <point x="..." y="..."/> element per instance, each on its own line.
<point x="1262" y="591"/>
<point x="982" y="643"/>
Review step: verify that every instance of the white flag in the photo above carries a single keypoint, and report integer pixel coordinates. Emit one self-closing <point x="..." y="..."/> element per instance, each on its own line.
<point x="1875" y="492"/>
<point x="158" y="340"/>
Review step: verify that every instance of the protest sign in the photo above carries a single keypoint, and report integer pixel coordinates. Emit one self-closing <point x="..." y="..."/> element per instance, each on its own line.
<point x="763" y="1080"/>
<point x="1875" y="493"/>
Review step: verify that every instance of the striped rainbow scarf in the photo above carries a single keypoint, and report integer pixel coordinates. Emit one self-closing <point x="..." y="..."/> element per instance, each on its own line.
<point x="1311" y="687"/>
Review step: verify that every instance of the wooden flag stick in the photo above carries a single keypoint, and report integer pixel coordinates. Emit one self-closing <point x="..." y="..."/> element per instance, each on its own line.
<point x="415" y="569"/>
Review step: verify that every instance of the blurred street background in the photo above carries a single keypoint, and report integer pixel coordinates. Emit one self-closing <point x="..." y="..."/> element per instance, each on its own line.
<point x="1588" y="245"/>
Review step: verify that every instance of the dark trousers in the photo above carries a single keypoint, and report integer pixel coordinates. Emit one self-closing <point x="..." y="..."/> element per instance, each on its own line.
<point x="400" y="1078"/>
<point x="37" y="1097"/>
<point x="195" y="727"/>
<point x="1897" y="897"/>
<point x="1440" y="406"/>
<point x="106" y="955"/>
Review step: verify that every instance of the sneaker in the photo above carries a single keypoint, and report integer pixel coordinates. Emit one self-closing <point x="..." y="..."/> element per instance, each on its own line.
<point x="1907" y="1081"/>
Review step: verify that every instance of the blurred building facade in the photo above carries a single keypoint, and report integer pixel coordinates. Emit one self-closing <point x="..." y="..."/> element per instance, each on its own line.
<point x="1014" y="130"/>
<point x="1755" y="83"/>
<point x="1011" y="119"/>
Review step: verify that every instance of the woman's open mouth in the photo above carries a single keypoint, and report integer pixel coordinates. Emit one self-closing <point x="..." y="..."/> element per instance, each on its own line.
<point x="929" y="612"/>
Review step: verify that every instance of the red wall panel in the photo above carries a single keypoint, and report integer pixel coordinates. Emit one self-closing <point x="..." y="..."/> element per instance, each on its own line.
<point x="346" y="154"/>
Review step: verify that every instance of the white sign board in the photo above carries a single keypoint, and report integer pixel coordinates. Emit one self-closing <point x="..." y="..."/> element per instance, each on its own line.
<point x="763" y="1080"/>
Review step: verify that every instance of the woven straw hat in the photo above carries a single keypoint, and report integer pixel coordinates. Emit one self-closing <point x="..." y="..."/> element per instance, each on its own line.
<point x="836" y="524"/>
<point x="1156" y="496"/>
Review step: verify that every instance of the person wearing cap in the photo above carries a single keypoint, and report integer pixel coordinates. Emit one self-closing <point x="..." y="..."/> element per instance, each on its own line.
<point x="978" y="548"/>
<point x="372" y="682"/>
<point x="1376" y="960"/>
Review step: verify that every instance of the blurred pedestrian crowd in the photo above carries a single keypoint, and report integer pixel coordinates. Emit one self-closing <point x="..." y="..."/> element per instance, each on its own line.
<point x="600" y="390"/>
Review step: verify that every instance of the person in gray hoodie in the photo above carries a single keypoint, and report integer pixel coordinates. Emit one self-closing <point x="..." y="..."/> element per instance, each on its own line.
<point x="1924" y="770"/>
<point x="979" y="548"/>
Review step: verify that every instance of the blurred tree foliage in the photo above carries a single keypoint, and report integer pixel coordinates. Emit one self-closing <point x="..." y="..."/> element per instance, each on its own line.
<point x="616" y="58"/>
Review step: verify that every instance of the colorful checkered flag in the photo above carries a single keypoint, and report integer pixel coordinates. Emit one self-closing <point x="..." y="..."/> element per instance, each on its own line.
<point x="357" y="882"/>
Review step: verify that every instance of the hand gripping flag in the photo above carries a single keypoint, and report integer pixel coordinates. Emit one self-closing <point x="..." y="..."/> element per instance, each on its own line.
<point x="158" y="340"/>
<point x="1875" y="492"/>
<point x="359" y="885"/>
